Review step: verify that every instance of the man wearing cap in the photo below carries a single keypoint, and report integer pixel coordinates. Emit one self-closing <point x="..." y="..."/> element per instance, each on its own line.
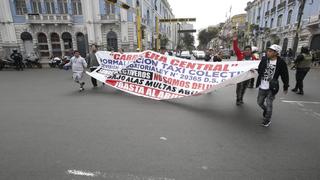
<point x="269" y="70"/>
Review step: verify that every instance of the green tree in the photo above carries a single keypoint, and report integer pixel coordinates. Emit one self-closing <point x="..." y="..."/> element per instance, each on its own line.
<point x="164" y="41"/>
<point x="206" y="35"/>
<point x="188" y="41"/>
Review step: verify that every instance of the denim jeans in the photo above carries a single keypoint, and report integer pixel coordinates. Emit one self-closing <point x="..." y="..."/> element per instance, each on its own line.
<point x="265" y="101"/>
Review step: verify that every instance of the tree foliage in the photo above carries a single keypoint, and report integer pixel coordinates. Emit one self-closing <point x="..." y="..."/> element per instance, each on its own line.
<point x="188" y="41"/>
<point x="206" y="35"/>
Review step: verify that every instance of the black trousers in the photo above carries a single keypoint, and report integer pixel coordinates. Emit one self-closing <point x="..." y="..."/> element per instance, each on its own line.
<point x="241" y="89"/>
<point x="93" y="80"/>
<point x="300" y="75"/>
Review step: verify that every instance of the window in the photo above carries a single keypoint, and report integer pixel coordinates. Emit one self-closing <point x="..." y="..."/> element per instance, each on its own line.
<point x="268" y="6"/>
<point x="21" y="7"/>
<point x="76" y="7"/>
<point x="266" y="24"/>
<point x="50" y="7"/>
<point x="274" y="3"/>
<point x="271" y="23"/>
<point x="36" y="7"/>
<point x="110" y="8"/>
<point x="279" y="21"/>
<point x="289" y="17"/>
<point x="63" y="6"/>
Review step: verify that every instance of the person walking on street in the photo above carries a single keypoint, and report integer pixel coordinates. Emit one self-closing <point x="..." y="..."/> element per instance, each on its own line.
<point x="93" y="63"/>
<point x="78" y="65"/>
<point x="303" y="65"/>
<point x="17" y="57"/>
<point x="247" y="56"/>
<point x="269" y="70"/>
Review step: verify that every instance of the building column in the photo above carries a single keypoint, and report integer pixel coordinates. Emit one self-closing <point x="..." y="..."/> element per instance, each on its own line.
<point x="62" y="46"/>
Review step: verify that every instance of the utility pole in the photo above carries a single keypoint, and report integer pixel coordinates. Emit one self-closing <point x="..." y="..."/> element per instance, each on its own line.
<point x="139" y="39"/>
<point x="157" y="34"/>
<point x="296" y="38"/>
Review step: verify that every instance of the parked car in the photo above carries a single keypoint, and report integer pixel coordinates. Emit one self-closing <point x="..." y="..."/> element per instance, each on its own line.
<point x="185" y="55"/>
<point x="200" y="55"/>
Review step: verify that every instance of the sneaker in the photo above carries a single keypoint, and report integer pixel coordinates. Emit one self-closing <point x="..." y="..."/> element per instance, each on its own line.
<point x="300" y="92"/>
<point x="81" y="89"/>
<point x="238" y="103"/>
<point x="264" y="113"/>
<point x="294" y="90"/>
<point x="266" y="123"/>
<point x="82" y="84"/>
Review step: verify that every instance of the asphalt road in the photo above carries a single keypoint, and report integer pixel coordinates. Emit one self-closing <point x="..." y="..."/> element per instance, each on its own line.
<point x="50" y="131"/>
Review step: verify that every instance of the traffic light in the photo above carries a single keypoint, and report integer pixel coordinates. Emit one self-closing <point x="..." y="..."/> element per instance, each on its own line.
<point x="125" y="6"/>
<point x="112" y="1"/>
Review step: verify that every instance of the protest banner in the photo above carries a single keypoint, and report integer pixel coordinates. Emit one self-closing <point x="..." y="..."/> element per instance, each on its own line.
<point x="156" y="76"/>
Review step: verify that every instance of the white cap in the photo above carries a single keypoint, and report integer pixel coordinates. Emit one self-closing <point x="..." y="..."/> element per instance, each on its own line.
<point x="276" y="48"/>
<point x="254" y="49"/>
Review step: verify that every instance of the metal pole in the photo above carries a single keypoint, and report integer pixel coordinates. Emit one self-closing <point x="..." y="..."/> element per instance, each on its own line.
<point x="139" y="29"/>
<point x="157" y="33"/>
<point x="296" y="38"/>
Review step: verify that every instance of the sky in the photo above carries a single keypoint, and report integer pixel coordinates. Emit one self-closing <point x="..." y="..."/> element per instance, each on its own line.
<point x="207" y="12"/>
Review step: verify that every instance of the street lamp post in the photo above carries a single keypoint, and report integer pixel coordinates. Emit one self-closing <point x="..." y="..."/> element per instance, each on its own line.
<point x="296" y="38"/>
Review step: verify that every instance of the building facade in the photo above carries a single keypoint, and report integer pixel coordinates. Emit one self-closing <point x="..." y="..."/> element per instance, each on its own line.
<point x="57" y="27"/>
<point x="275" y="21"/>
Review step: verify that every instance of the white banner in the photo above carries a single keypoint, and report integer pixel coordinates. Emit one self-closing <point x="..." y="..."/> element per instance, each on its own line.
<point x="156" y="76"/>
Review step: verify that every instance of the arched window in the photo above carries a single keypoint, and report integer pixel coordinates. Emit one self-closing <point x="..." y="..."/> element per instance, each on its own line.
<point x="289" y="17"/>
<point x="43" y="45"/>
<point x="55" y="43"/>
<point x="112" y="41"/>
<point x="81" y="44"/>
<point x="271" y="23"/>
<point x="279" y="21"/>
<point x="67" y="42"/>
<point x="25" y="36"/>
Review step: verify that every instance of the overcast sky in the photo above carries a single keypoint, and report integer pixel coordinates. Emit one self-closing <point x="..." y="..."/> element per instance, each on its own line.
<point x="207" y="12"/>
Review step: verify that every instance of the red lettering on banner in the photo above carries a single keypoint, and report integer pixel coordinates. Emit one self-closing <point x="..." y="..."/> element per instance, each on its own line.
<point x="218" y="67"/>
<point x="156" y="57"/>
<point x="116" y="56"/>
<point x="208" y="67"/>
<point x="129" y="57"/>
<point x="174" y="62"/>
<point x="201" y="86"/>
<point x="226" y="67"/>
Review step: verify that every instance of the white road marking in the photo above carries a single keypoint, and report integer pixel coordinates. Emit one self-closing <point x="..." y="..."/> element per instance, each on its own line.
<point x="302" y="107"/>
<point x="301" y="102"/>
<point x="83" y="173"/>
<point x="115" y="176"/>
<point x="163" y="138"/>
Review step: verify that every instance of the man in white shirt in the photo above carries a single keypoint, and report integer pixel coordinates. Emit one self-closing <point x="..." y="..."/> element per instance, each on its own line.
<point x="270" y="68"/>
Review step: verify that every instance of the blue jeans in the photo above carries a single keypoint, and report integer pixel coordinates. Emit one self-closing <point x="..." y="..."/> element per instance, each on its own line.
<point x="265" y="101"/>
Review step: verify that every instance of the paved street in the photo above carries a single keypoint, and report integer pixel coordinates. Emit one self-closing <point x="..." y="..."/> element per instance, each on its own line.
<point x="49" y="130"/>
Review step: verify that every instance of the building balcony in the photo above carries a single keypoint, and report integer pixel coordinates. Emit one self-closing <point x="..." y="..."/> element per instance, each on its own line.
<point x="282" y="5"/>
<point x="273" y="10"/>
<point x="109" y="18"/>
<point x="48" y="19"/>
<point x="267" y="13"/>
<point x="314" y="21"/>
<point x="290" y="2"/>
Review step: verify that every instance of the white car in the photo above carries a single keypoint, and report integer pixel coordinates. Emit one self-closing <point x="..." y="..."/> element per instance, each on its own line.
<point x="200" y="55"/>
<point x="185" y="55"/>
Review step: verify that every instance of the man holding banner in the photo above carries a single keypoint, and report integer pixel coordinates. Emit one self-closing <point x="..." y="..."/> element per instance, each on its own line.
<point x="247" y="56"/>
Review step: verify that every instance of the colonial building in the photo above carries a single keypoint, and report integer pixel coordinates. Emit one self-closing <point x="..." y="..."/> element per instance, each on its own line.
<point x="56" y="27"/>
<point x="275" y="21"/>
